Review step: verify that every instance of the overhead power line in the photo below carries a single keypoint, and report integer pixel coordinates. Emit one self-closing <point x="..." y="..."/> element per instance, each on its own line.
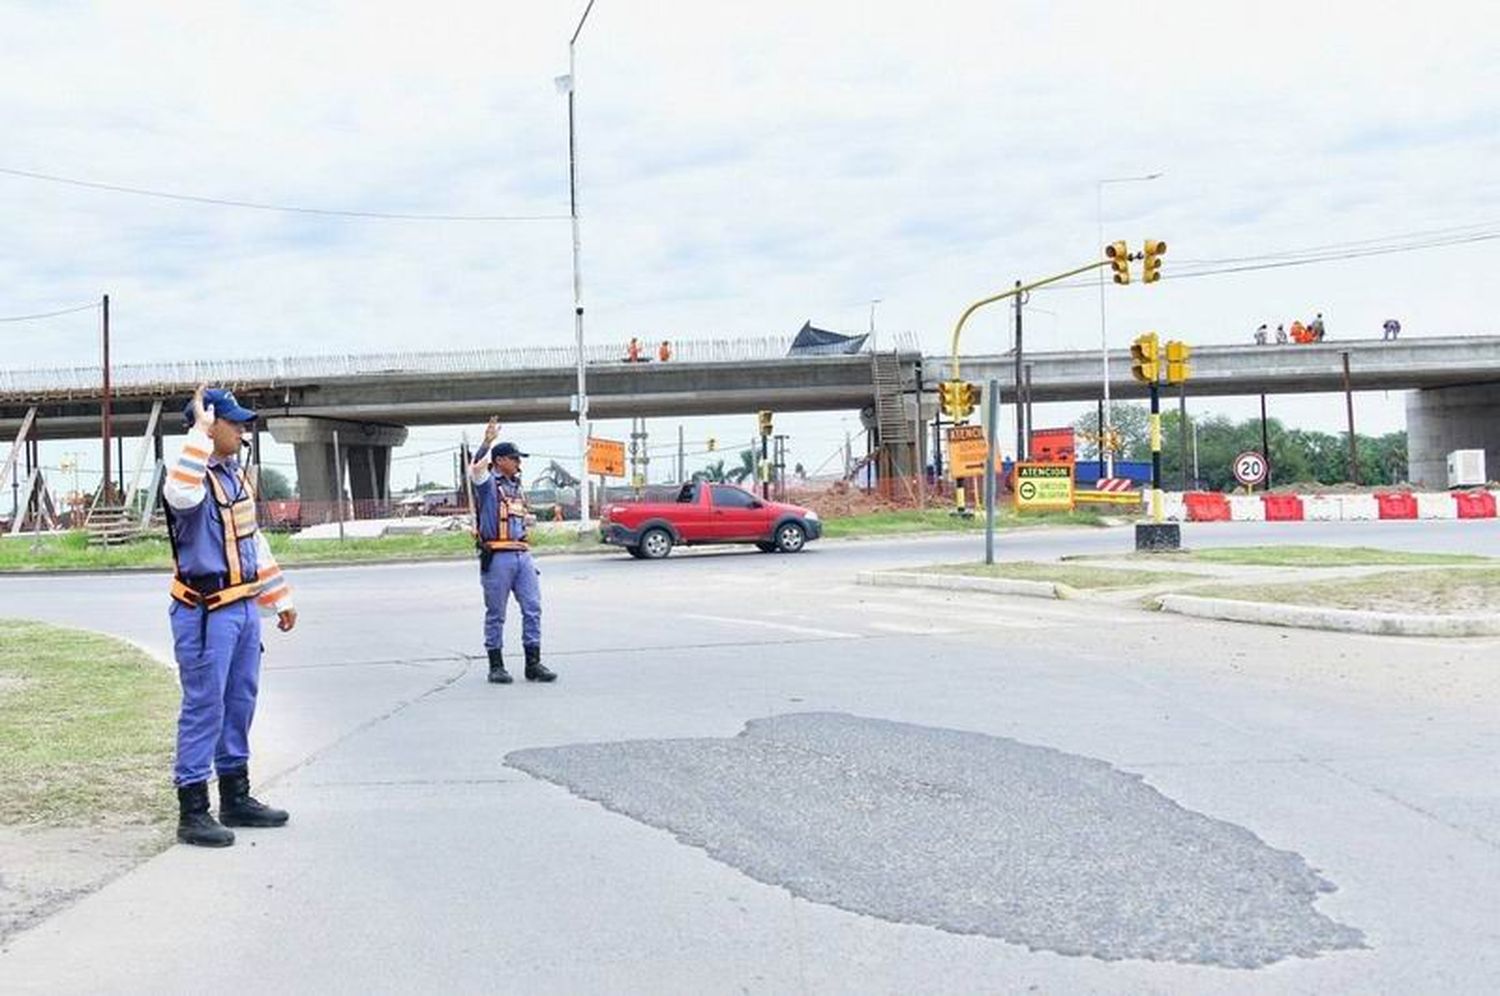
<point x="285" y="208"/>
<point x="1306" y="257"/>
<point x="50" y="314"/>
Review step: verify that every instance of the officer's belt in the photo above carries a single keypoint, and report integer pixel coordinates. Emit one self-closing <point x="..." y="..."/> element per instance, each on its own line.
<point x="496" y="545"/>
<point x="207" y="591"/>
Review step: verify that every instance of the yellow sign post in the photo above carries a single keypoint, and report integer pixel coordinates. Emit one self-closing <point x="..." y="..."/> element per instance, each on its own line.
<point x="1044" y="487"/>
<point x="606" y="457"/>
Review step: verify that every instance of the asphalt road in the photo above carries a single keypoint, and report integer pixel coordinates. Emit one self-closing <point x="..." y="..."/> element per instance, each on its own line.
<point x="757" y="776"/>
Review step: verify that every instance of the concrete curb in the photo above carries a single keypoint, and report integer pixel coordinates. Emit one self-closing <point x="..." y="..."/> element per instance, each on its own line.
<point x="1337" y="620"/>
<point x="962" y="582"/>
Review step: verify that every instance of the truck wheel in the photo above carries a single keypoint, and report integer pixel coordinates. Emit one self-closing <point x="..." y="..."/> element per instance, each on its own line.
<point x="790" y="537"/>
<point x="635" y="552"/>
<point x="766" y="547"/>
<point x="655" y="544"/>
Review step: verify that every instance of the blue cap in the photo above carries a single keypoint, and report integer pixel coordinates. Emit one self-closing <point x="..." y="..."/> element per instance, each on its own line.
<point x="224" y="405"/>
<point x="506" y="450"/>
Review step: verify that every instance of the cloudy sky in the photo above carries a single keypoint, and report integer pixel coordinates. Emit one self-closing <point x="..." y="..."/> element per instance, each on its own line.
<point x="743" y="167"/>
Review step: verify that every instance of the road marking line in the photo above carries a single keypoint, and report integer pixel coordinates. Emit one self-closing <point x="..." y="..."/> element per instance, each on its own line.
<point x="890" y="627"/>
<point x="808" y="630"/>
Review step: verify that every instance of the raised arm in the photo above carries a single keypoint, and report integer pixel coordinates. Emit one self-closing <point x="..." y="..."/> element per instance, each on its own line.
<point x="479" y="470"/>
<point x="186" y="483"/>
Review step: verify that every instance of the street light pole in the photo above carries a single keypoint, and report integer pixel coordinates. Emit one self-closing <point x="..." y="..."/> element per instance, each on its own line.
<point x="1103" y="332"/>
<point x="873" y="302"/>
<point x="583" y="397"/>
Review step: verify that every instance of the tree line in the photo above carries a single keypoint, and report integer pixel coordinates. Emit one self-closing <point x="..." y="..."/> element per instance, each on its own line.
<point x="1296" y="455"/>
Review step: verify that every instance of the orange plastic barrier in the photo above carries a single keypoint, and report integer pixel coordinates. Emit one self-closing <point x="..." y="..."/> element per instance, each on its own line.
<point x="1283" y="508"/>
<point x="1396" y="505"/>
<point x="1475" y="504"/>
<point x="1206" y="506"/>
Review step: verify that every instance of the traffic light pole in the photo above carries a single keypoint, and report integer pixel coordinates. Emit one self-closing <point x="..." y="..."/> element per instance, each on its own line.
<point x="1155" y="452"/>
<point x="765" y="482"/>
<point x="992" y="406"/>
<point x="1015" y="291"/>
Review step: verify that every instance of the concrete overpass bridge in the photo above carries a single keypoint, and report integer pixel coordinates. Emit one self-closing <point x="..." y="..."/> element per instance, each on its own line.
<point x="371" y="399"/>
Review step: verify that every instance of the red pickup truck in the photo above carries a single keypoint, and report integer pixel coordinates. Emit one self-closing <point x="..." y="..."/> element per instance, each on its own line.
<point x="707" y="513"/>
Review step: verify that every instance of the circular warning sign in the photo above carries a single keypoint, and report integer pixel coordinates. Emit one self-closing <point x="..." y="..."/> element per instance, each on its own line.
<point x="1028" y="491"/>
<point x="1250" y="467"/>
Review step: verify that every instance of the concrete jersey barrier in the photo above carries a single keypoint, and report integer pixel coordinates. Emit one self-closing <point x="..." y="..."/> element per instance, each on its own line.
<point x="1212" y="506"/>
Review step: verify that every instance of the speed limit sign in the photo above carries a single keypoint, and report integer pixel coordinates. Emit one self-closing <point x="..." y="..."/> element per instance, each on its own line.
<point x="1250" y="467"/>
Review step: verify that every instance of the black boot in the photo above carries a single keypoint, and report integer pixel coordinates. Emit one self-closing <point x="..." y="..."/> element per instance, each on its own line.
<point x="238" y="808"/>
<point x="195" y="825"/>
<point x="535" y="670"/>
<point x="498" y="674"/>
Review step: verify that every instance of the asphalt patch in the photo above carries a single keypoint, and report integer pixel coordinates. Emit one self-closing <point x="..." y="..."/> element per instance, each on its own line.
<point x="965" y="832"/>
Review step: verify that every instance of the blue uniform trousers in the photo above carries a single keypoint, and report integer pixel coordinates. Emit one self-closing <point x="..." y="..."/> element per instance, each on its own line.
<point x="218" y="664"/>
<point x="511" y="571"/>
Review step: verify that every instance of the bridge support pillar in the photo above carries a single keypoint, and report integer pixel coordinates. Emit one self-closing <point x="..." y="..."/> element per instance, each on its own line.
<point x="364" y="448"/>
<point x="1440" y="420"/>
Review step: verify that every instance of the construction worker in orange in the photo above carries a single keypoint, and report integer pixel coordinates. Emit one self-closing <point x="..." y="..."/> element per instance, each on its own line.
<point x="664" y="351"/>
<point x="633" y="351"/>
<point x="1300" y="333"/>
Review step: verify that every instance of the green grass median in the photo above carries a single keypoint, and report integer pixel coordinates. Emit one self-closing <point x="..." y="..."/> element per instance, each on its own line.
<point x="1471" y="590"/>
<point x="87" y="727"/>
<point x="1074" y="576"/>
<point x="877" y="524"/>
<point x="71" y="551"/>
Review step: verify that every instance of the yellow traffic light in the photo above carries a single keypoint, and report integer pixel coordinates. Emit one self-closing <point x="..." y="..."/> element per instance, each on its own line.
<point x="968" y="399"/>
<point x="948" y="397"/>
<point x="1151" y="261"/>
<point x="1145" y="353"/>
<point x="957" y="398"/>
<point x="1118" y="255"/>
<point x="1177" y="362"/>
<point x="765" y="422"/>
<point x="713" y="444"/>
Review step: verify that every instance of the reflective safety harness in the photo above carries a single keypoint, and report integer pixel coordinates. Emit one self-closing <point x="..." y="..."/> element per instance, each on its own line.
<point x="237" y="516"/>
<point x="502" y="541"/>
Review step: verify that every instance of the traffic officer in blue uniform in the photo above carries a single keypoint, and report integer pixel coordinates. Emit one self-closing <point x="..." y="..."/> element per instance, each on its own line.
<point x="224" y="573"/>
<point x="505" y="564"/>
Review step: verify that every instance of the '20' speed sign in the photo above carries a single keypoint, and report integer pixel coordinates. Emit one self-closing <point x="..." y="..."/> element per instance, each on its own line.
<point x="1250" y="467"/>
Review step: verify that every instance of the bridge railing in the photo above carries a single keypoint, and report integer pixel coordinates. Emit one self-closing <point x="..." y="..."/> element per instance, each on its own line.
<point x="159" y="378"/>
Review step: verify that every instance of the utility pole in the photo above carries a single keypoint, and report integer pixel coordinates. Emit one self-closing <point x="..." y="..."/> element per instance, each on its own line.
<point x="1353" y="439"/>
<point x="1265" y="443"/>
<point x="106" y="483"/>
<point x="1020" y="419"/>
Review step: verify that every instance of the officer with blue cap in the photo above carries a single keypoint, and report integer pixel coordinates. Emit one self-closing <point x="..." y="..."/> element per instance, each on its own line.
<point x="224" y="572"/>
<point x="505" y="565"/>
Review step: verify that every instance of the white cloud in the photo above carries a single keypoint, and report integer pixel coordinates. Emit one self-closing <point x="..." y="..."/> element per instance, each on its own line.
<point x="742" y="167"/>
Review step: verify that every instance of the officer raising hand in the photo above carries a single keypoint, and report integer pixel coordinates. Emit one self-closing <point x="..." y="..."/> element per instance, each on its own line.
<point x="505" y="565"/>
<point x="224" y="570"/>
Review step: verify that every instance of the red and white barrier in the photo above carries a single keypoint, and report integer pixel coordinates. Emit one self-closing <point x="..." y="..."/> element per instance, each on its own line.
<point x="1211" y="506"/>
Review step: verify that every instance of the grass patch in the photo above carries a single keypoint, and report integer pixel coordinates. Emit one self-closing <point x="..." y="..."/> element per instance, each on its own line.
<point x="1475" y="590"/>
<point x="1068" y="574"/>
<point x="72" y="552"/>
<point x="940" y="520"/>
<point x="87" y="729"/>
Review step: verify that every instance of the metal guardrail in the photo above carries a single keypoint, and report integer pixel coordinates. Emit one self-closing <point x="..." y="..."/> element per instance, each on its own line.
<point x="177" y="378"/>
